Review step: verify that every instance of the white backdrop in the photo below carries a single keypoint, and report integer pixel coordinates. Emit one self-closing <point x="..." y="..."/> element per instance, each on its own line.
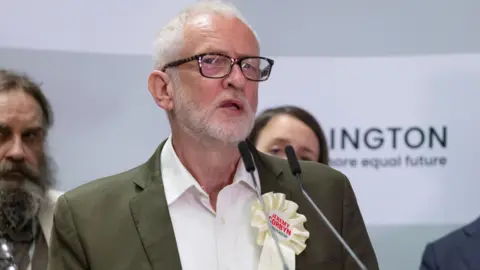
<point x="419" y="94"/>
<point x="106" y="122"/>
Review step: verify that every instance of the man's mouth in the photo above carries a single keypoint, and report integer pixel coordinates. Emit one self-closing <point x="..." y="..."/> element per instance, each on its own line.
<point x="232" y="104"/>
<point x="13" y="174"/>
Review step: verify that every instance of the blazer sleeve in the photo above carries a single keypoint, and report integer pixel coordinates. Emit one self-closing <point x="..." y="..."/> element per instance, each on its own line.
<point x="65" y="250"/>
<point x="429" y="261"/>
<point x="355" y="233"/>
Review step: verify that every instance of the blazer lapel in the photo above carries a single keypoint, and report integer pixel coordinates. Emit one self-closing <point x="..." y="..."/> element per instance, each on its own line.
<point x="470" y="251"/>
<point x="150" y="212"/>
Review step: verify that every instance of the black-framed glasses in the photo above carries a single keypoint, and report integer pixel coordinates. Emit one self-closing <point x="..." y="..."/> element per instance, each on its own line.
<point x="7" y="262"/>
<point x="217" y="66"/>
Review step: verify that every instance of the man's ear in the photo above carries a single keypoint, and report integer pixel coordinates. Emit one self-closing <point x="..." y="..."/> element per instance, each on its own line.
<point x="157" y="84"/>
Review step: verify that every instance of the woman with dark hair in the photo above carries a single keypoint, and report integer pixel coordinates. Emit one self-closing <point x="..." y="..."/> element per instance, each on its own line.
<point x="278" y="127"/>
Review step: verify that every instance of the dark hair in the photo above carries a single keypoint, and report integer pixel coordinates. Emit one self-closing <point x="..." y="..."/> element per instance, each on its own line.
<point x="11" y="81"/>
<point x="262" y="120"/>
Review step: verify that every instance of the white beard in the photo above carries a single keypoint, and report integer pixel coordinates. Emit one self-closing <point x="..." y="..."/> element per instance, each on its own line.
<point x="201" y="122"/>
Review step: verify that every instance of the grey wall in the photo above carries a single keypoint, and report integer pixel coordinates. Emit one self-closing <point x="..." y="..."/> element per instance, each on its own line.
<point x="364" y="28"/>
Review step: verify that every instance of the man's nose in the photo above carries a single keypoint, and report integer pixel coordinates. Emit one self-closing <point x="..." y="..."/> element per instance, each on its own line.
<point x="235" y="79"/>
<point x="16" y="151"/>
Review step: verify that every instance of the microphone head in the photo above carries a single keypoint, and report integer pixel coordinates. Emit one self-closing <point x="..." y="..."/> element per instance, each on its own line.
<point x="292" y="160"/>
<point x="246" y="157"/>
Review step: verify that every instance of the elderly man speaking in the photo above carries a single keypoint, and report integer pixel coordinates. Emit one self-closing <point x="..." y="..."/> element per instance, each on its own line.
<point x="193" y="205"/>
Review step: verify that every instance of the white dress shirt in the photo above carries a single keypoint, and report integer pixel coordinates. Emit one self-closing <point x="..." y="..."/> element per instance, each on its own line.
<point x="209" y="240"/>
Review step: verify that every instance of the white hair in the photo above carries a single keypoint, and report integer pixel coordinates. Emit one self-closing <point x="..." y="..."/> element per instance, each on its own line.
<point x="170" y="39"/>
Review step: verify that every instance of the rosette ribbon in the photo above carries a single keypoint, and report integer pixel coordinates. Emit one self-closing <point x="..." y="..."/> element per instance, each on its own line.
<point x="288" y="225"/>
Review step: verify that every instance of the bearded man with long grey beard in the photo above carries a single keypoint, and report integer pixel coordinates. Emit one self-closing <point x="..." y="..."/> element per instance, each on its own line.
<point x="27" y="200"/>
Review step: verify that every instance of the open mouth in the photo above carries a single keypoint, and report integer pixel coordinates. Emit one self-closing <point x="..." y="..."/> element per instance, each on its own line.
<point x="231" y="104"/>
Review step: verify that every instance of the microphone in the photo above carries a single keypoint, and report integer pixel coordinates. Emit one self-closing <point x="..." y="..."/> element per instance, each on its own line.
<point x="250" y="168"/>
<point x="297" y="171"/>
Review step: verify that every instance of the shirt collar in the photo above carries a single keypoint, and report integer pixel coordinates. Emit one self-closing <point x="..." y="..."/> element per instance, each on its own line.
<point x="177" y="179"/>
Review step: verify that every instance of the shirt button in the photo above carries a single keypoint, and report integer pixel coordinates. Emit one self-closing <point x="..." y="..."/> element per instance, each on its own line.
<point x="223" y="220"/>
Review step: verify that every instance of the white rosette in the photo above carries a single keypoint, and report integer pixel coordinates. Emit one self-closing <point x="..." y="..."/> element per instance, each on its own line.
<point x="288" y="226"/>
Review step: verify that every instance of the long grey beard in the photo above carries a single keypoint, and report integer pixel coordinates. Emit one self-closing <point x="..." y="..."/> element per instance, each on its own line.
<point x="18" y="210"/>
<point x="21" y="197"/>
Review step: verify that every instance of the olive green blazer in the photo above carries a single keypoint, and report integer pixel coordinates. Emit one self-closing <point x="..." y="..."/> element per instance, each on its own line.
<point x="122" y="221"/>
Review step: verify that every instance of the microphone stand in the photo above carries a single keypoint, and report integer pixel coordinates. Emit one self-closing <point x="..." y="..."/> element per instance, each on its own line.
<point x="297" y="171"/>
<point x="324" y="218"/>
<point x="250" y="168"/>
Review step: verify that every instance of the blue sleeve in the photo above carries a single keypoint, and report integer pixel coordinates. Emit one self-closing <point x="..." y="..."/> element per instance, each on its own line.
<point x="429" y="259"/>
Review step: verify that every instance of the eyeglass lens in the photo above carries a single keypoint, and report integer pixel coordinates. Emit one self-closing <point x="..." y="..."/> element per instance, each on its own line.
<point x="217" y="66"/>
